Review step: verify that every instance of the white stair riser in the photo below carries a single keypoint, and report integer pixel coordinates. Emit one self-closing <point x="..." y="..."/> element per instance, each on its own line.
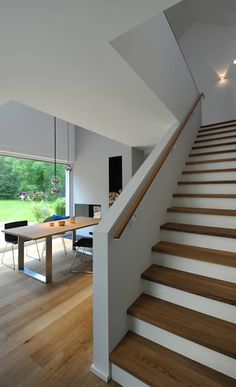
<point x="198" y="240"/>
<point x="205" y="166"/>
<point x="213" y="141"/>
<point x="202" y="220"/>
<point x="216" y="134"/>
<point x="207" y="188"/>
<point x="124" y="378"/>
<point x="187" y="348"/>
<point x="209" y="176"/>
<point x="191" y="301"/>
<point x="217" y="129"/>
<point x="229" y="204"/>
<point x="216" y="148"/>
<point x="212" y="157"/>
<point x="212" y="270"/>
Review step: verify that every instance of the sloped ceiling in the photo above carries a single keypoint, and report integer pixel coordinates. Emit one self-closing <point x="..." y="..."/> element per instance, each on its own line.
<point x="206" y="31"/>
<point x="216" y="12"/>
<point x="56" y="56"/>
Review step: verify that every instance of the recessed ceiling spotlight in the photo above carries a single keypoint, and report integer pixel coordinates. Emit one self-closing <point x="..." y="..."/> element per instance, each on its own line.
<point x="234" y="61"/>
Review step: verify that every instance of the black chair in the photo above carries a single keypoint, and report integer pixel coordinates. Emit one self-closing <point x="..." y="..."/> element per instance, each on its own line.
<point x="83" y="243"/>
<point x="12" y="239"/>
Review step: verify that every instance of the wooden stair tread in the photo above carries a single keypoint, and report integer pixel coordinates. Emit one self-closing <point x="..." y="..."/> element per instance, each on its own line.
<point x="214" y="139"/>
<point x="211" y="161"/>
<point x="210" y="171"/>
<point x="216" y="133"/>
<point x="158" y="366"/>
<point x="212" y="196"/>
<point x="207" y="182"/>
<point x="203" y="286"/>
<point x="218" y="124"/>
<point x="217" y="128"/>
<point x="214" y="145"/>
<point x="212" y="153"/>
<point x="203" y="211"/>
<point x="218" y="257"/>
<point x="203" y="230"/>
<point x="216" y="334"/>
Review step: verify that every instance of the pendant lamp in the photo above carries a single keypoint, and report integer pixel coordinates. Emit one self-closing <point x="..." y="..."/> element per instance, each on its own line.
<point x="55" y="181"/>
<point x="68" y="167"/>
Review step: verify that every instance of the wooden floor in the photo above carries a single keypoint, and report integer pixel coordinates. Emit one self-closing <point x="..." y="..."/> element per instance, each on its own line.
<point x="46" y="330"/>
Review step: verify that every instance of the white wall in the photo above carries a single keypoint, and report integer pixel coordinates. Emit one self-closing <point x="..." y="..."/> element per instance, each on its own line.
<point x="118" y="264"/>
<point x="138" y="158"/>
<point x="220" y="102"/>
<point x="28" y="132"/>
<point x="210" y="50"/>
<point x="152" y="51"/>
<point x="91" y="172"/>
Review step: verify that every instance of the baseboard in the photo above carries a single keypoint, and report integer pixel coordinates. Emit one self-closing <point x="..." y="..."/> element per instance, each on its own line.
<point x="124" y="378"/>
<point x="99" y="373"/>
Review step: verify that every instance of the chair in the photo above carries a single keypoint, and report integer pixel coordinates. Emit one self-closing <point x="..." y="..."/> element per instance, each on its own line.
<point x="13" y="240"/>
<point x="83" y="243"/>
<point x="50" y="219"/>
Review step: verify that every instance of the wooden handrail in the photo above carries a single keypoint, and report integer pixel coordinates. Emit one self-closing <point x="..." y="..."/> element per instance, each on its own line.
<point x="130" y="212"/>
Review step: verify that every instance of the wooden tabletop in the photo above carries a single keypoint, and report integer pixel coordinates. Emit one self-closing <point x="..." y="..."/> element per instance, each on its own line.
<point x="43" y="230"/>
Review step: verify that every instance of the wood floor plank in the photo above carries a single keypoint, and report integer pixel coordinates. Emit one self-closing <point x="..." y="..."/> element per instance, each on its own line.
<point x="46" y="330"/>
<point x="203" y="230"/>
<point x="217" y="334"/>
<point x="218" y="257"/>
<point x="203" y="286"/>
<point x="160" y="367"/>
<point x="202" y="211"/>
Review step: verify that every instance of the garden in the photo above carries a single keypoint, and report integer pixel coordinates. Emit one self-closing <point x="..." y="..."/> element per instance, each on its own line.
<point x="25" y="190"/>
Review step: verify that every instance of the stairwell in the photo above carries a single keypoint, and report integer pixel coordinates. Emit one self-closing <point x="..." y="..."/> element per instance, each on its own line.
<point x="182" y="329"/>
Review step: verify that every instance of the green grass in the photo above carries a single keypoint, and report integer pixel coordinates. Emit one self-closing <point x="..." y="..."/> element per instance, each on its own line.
<point x="14" y="210"/>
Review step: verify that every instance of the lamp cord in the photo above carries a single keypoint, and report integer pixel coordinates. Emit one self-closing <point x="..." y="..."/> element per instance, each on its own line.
<point x="55" y="147"/>
<point x="68" y="142"/>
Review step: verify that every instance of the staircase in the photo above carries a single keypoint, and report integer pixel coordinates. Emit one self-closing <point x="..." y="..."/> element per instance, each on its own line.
<point x="182" y="329"/>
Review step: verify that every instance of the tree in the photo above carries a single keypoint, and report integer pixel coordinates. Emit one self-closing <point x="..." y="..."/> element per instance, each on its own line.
<point x="9" y="182"/>
<point x="33" y="176"/>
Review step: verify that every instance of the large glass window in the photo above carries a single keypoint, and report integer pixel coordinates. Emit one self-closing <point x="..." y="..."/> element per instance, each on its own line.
<point x="25" y="190"/>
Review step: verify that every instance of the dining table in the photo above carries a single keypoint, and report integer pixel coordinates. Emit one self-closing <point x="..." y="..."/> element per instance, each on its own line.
<point x="46" y="231"/>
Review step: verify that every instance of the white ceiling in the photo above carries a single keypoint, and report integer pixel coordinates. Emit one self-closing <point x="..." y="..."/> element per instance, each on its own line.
<point x="217" y="12"/>
<point x="206" y="31"/>
<point x="56" y="56"/>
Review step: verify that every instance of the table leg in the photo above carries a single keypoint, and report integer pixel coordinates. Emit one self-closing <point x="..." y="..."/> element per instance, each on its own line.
<point x="20" y="253"/>
<point x="73" y="239"/>
<point x="48" y="259"/>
